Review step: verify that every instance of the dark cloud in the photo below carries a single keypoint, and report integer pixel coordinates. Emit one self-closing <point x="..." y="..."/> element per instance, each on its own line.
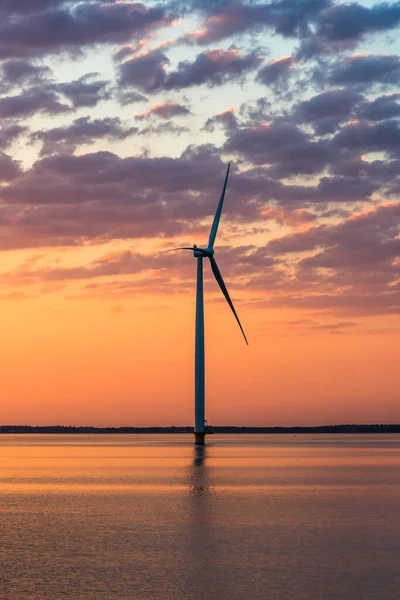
<point x="26" y="6"/>
<point x="227" y="120"/>
<point x="59" y="27"/>
<point x="126" y="97"/>
<point x="213" y="67"/>
<point x="281" y="144"/>
<point x="9" y="133"/>
<point x="128" y="50"/>
<point x="82" y="131"/>
<point x="31" y="101"/>
<point x="384" y="107"/>
<point x="86" y="91"/>
<point x="9" y="168"/>
<point x="334" y="103"/>
<point x="165" y="110"/>
<point x="164" y="128"/>
<point x="348" y="189"/>
<point x="363" y="137"/>
<point x="361" y="238"/>
<point x="293" y="19"/>
<point x="276" y="72"/>
<point x="145" y="71"/>
<point x="225" y="19"/>
<point x="342" y="26"/>
<point x="68" y="199"/>
<point x="19" y="71"/>
<point x="366" y="69"/>
<point x="327" y="110"/>
<point x="350" y="267"/>
<point x="353" y="21"/>
<point x="382" y="171"/>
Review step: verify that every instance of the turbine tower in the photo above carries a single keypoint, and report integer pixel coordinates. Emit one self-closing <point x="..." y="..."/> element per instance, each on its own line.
<point x="199" y="370"/>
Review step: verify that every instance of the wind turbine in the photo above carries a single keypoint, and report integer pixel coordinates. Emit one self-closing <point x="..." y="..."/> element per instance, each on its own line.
<point x="199" y="254"/>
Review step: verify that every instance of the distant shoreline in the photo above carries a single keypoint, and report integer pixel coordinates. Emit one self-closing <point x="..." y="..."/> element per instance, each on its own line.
<point x="66" y="429"/>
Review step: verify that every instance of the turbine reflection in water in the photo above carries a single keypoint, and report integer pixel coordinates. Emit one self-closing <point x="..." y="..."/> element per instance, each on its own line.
<point x="203" y="570"/>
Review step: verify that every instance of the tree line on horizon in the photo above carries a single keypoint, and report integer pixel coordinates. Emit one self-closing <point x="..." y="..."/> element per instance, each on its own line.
<point x="342" y="428"/>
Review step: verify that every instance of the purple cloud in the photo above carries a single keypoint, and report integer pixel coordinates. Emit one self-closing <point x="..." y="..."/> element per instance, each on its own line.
<point x="58" y="27"/>
<point x="225" y="19"/>
<point x="9" y="168"/>
<point x="9" y="133"/>
<point x="327" y="110"/>
<point x="31" y="101"/>
<point x="213" y="67"/>
<point x="227" y="120"/>
<point x="366" y="69"/>
<point x="165" y="110"/>
<point x="276" y="72"/>
<point x="353" y="21"/>
<point x="18" y="71"/>
<point x="384" y="107"/>
<point x="85" y="91"/>
<point x="82" y="131"/>
<point x="281" y="144"/>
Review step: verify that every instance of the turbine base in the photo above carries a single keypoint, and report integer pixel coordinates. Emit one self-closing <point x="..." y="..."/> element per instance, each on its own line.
<point x="199" y="438"/>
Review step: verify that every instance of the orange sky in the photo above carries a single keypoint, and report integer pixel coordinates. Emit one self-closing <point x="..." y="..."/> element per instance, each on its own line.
<point x="114" y="144"/>
<point x="130" y="362"/>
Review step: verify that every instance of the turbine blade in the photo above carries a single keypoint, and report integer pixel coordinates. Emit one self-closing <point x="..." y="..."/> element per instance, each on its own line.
<point x="214" y="227"/>
<point x="173" y="249"/>
<point x="220" y="281"/>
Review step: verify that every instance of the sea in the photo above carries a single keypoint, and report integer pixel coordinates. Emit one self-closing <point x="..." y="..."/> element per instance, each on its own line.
<point x="152" y="517"/>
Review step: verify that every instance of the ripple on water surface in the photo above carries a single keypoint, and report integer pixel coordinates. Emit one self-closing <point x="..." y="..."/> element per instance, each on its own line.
<point x="150" y="517"/>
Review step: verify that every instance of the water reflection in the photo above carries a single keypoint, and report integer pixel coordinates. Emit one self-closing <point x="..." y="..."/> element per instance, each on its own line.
<point x="199" y="455"/>
<point x="199" y="472"/>
<point x="201" y="543"/>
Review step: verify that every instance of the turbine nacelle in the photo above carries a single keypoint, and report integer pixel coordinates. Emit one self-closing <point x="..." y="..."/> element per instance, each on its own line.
<point x="199" y="252"/>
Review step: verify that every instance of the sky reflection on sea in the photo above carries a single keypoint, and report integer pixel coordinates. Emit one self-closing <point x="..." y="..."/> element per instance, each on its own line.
<point x="148" y="517"/>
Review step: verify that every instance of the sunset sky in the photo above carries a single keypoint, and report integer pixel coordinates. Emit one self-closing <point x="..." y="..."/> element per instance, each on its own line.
<point x="117" y="122"/>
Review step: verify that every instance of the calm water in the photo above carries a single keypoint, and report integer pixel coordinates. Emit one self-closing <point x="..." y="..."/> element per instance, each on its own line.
<point x="150" y="518"/>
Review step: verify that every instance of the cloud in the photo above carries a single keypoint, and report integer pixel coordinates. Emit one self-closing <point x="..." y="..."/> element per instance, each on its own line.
<point x="145" y="71"/>
<point x="56" y="27"/>
<point x="212" y="67"/>
<point x="366" y="69"/>
<point x="31" y="101"/>
<point x="165" y="110"/>
<point x="327" y="110"/>
<point x="85" y="91"/>
<point x="9" y="168"/>
<point x="19" y="71"/>
<point x="363" y="137"/>
<point x="350" y="267"/>
<point x="353" y="21"/>
<point x="342" y="26"/>
<point x="276" y="72"/>
<point x="226" y="19"/>
<point x="383" y="107"/>
<point x="82" y="131"/>
<point x="26" y="6"/>
<point x="164" y="128"/>
<point x="281" y="144"/>
<point x="65" y="199"/>
<point x="126" y="97"/>
<point x="9" y="133"/>
<point x="227" y="120"/>
<point x="148" y="72"/>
